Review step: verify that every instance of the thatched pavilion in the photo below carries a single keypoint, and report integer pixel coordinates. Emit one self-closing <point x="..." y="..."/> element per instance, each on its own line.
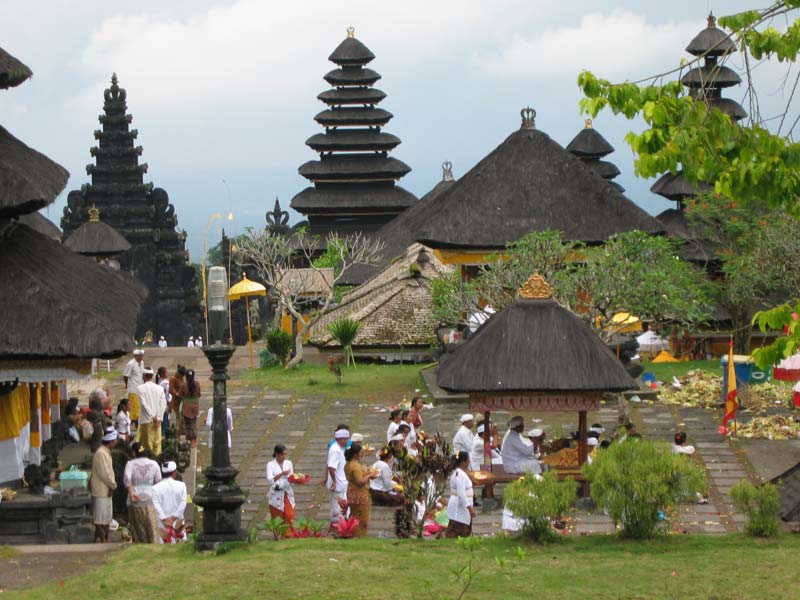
<point x="528" y="183"/>
<point x="535" y="355"/>
<point x="60" y="309"/>
<point x="97" y="239"/>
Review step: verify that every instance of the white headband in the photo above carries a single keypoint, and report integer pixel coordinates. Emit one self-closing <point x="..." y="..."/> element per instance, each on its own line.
<point x="341" y="434"/>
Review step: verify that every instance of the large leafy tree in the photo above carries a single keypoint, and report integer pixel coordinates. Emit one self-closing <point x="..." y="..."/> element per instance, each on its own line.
<point x="633" y="272"/>
<point x="754" y="163"/>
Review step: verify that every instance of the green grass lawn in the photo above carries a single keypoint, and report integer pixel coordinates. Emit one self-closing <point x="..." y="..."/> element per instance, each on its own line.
<point x="665" y="371"/>
<point x="596" y="567"/>
<point x="365" y="382"/>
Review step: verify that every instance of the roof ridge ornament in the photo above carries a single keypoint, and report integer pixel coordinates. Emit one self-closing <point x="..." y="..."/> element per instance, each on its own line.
<point x="447" y="171"/>
<point x="536" y="288"/>
<point x="712" y="20"/>
<point x="587" y="123"/>
<point x="351" y="32"/>
<point x="528" y="118"/>
<point x="94" y="214"/>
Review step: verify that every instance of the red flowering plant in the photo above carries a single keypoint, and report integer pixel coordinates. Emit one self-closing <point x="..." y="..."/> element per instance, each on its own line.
<point x="346" y="528"/>
<point x="309" y="528"/>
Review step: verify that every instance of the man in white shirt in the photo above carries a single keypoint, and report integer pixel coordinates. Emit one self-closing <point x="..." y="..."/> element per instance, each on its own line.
<point x="153" y="404"/>
<point x="464" y="438"/>
<point x="162" y="343"/>
<point x="517" y="452"/>
<point x="476" y="455"/>
<point x="336" y="481"/>
<point x="199" y="342"/>
<point x="133" y="378"/>
<point x="190" y="343"/>
<point x="169" y="502"/>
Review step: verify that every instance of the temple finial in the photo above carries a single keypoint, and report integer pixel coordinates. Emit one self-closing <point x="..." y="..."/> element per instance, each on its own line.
<point x="587" y="123"/>
<point x="114" y="80"/>
<point x="536" y="288"/>
<point x="351" y="31"/>
<point x="712" y="20"/>
<point x="528" y="118"/>
<point x="94" y="214"/>
<point x="447" y="171"/>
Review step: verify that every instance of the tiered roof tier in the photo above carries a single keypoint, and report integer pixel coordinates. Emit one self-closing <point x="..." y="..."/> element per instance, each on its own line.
<point x="705" y="82"/>
<point x="143" y="215"/>
<point x="355" y="178"/>
<point x="591" y="147"/>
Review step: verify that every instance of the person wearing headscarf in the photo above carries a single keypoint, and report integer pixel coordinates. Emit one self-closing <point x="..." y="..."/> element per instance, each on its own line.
<point x="381" y="488"/>
<point x="133" y="376"/>
<point x="190" y="343"/>
<point x="152" y="405"/>
<point x="517" y="452"/>
<point x="464" y="438"/>
<point x="460" y="509"/>
<point x="477" y="453"/>
<point x="281" y="495"/>
<point x="169" y="504"/>
<point x="141" y="474"/>
<point x="358" y="486"/>
<point x="190" y="407"/>
<point x="102" y="484"/>
<point x="336" y="481"/>
<point x="162" y="343"/>
<point x="536" y="437"/>
<point x="592" y="444"/>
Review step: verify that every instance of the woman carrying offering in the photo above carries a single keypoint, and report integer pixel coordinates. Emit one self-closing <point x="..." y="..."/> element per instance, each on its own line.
<point x="190" y="407"/>
<point x="460" y="510"/>
<point x="281" y="495"/>
<point x="358" y="479"/>
<point x="141" y="474"/>
<point x="381" y="489"/>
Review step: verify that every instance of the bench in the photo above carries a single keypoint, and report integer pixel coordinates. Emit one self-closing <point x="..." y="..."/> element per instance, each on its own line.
<point x="499" y="475"/>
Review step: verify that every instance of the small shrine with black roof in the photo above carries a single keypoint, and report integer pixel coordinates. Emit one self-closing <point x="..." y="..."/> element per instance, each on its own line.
<point x="355" y="178"/>
<point x="143" y="215"/>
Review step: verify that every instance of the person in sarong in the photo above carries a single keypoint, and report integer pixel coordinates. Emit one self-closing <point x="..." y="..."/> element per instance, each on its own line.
<point x="152" y="405"/>
<point x="281" y="495"/>
<point x="190" y="407"/>
<point x="141" y="474"/>
<point x="358" y="498"/>
<point x="133" y="376"/>
<point x="460" y="509"/>
<point x="169" y="502"/>
<point x="103" y="484"/>
<point x="382" y="488"/>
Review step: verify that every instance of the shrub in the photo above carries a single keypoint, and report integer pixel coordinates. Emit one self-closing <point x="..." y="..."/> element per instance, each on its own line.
<point x="637" y="479"/>
<point x="344" y="331"/>
<point x="279" y="343"/>
<point x="539" y="501"/>
<point x="760" y="504"/>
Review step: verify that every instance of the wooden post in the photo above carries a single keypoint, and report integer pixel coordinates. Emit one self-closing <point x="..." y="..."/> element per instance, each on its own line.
<point x="487" y="440"/>
<point x="583" y="448"/>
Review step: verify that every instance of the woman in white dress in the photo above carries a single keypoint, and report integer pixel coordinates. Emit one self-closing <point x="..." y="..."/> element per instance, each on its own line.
<point x="381" y="489"/>
<point x="460" y="508"/>
<point x="281" y="495"/>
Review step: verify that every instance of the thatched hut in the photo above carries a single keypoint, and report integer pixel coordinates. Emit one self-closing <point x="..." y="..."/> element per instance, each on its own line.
<point x="528" y="183"/>
<point x="535" y="355"/>
<point x="97" y="239"/>
<point x="38" y="222"/>
<point x="394" y="308"/>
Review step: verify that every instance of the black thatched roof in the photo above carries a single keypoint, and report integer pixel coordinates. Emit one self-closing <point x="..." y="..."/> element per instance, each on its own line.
<point x="589" y="143"/>
<point x="529" y="183"/>
<point x="711" y="76"/>
<point x="95" y="238"/>
<point x="12" y="71"/>
<point x="730" y="107"/>
<point x="38" y="222"/>
<point x="693" y="248"/>
<point x="711" y="41"/>
<point x="351" y="76"/>
<point x="353" y="140"/>
<point x="534" y="345"/>
<point x="675" y="186"/>
<point x="354" y="166"/>
<point x="789" y="494"/>
<point x="352" y="96"/>
<point x="399" y="233"/>
<point x="604" y="168"/>
<point x="351" y="52"/>
<point x="338" y="199"/>
<point x="58" y="304"/>
<point x="28" y="179"/>
<point x="363" y="115"/>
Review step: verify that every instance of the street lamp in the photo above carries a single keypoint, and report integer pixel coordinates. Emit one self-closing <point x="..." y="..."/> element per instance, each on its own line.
<point x="221" y="498"/>
<point x="203" y="267"/>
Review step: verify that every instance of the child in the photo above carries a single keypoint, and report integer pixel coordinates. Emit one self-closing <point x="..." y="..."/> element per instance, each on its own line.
<point x="123" y="421"/>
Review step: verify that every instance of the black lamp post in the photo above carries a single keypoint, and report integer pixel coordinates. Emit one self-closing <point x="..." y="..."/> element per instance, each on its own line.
<point x="221" y="497"/>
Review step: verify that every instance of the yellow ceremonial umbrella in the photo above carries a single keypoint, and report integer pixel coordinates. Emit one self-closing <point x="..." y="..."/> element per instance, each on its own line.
<point x="244" y="289"/>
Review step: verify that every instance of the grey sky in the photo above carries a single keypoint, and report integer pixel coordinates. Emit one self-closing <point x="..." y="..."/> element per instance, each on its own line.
<point x="227" y="90"/>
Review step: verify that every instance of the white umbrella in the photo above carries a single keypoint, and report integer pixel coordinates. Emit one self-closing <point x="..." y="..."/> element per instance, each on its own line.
<point x="650" y="341"/>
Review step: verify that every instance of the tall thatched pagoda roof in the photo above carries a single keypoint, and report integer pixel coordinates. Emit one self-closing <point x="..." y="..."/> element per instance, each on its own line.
<point x="529" y="183"/>
<point x="12" y="71"/>
<point x="38" y="222"/>
<point x="95" y="238"/>
<point x="398" y="234"/>
<point x="59" y="304"/>
<point x="29" y="179"/>
<point x="394" y="307"/>
<point x="534" y="345"/>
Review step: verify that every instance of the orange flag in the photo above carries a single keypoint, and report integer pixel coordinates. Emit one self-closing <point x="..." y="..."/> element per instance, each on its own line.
<point x="731" y="394"/>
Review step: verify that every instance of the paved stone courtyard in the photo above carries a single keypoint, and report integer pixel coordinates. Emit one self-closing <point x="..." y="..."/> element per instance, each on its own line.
<point x="264" y="418"/>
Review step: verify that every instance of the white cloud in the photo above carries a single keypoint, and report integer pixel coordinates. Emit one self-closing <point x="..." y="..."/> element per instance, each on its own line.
<point x="618" y="44"/>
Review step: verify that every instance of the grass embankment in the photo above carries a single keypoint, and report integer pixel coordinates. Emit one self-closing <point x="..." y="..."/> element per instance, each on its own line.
<point x="666" y="371"/>
<point x="596" y="567"/>
<point x="365" y="382"/>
